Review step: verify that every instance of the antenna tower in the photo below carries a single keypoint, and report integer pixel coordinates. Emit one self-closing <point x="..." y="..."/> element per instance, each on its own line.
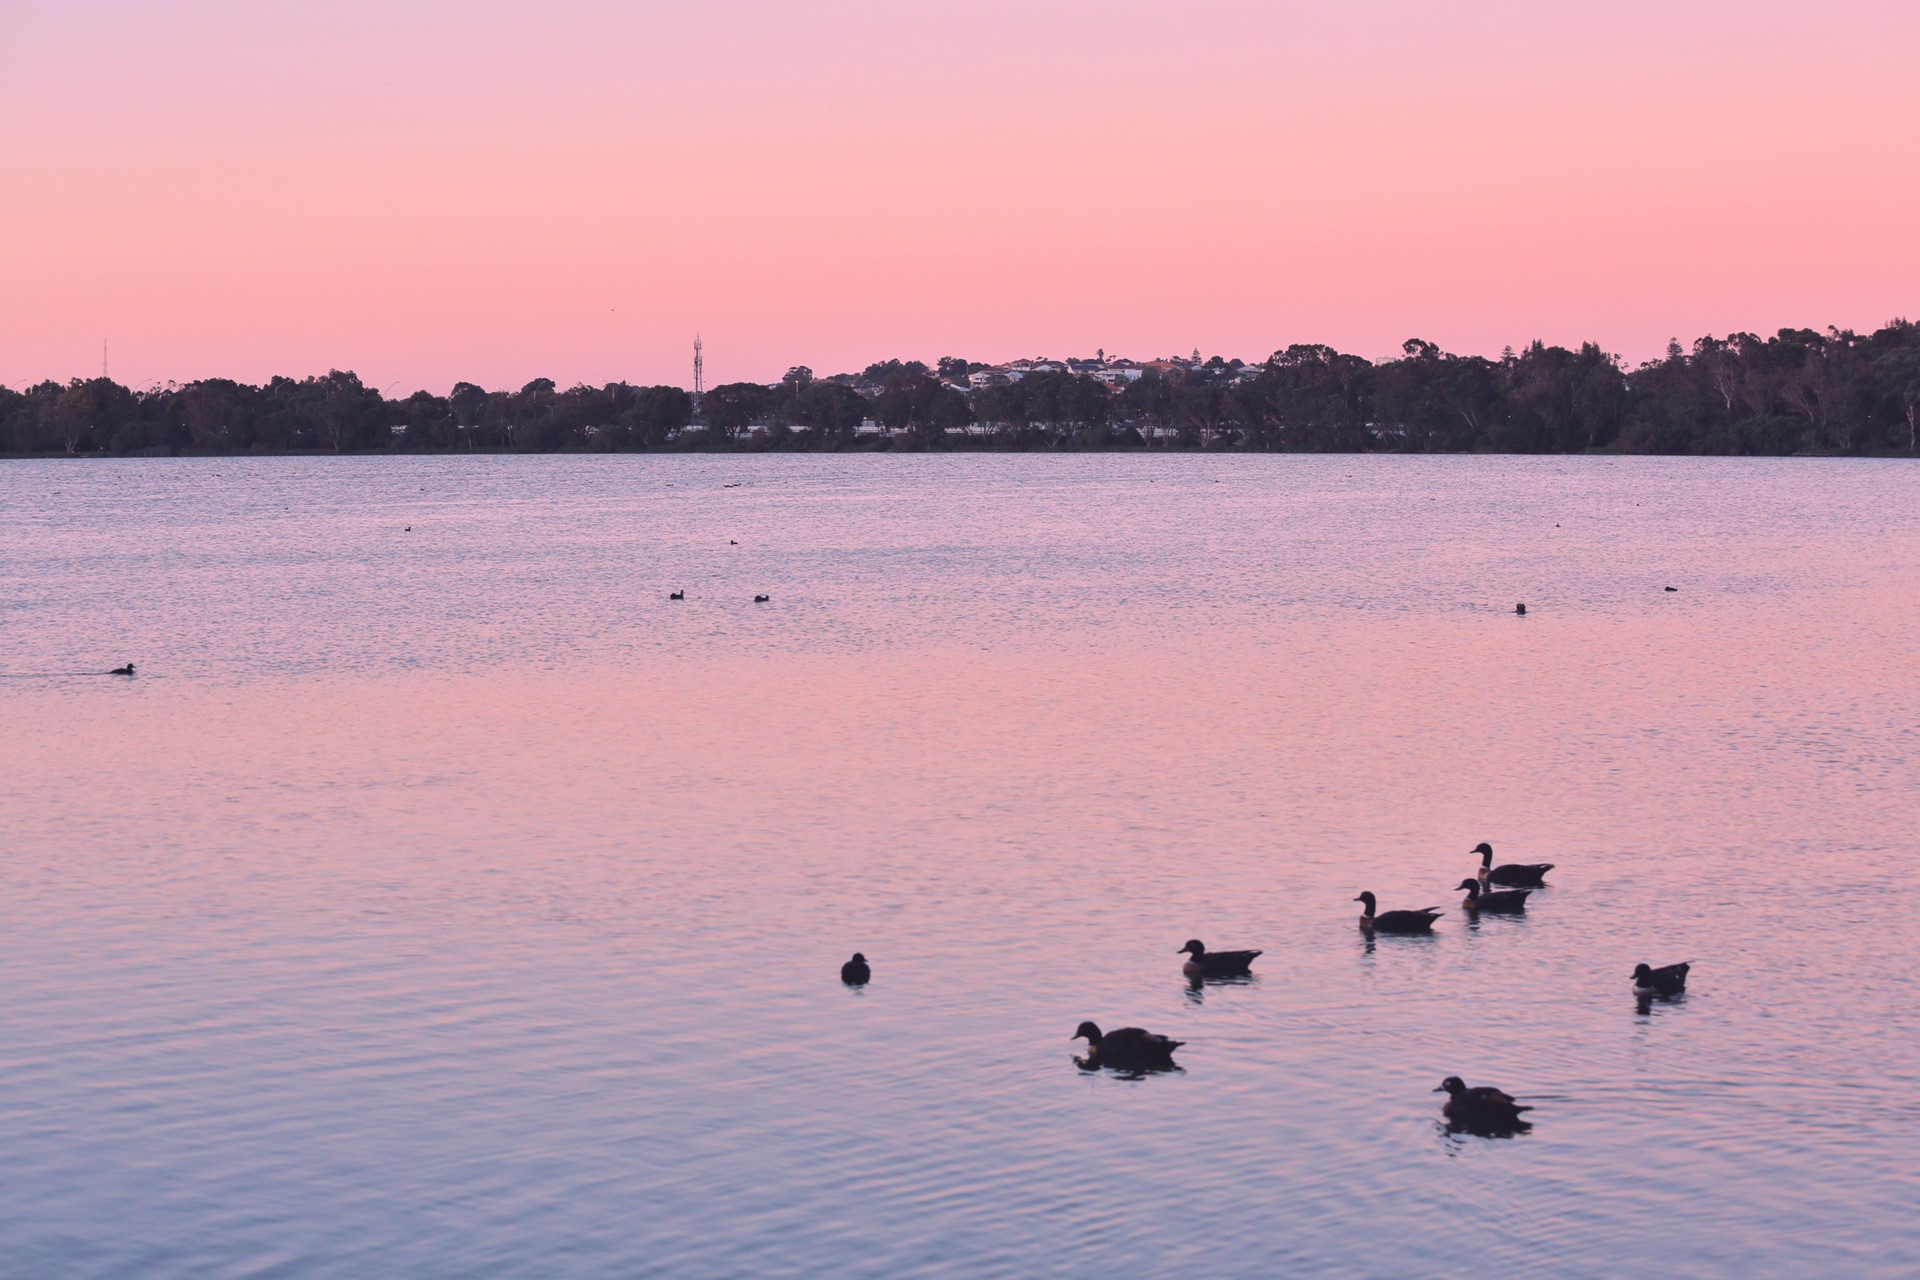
<point x="699" y="377"/>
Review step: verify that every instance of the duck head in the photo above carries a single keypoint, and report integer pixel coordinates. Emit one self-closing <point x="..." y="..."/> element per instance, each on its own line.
<point x="1366" y="898"/>
<point x="1641" y="973"/>
<point x="857" y="959"/>
<point x="1194" y="948"/>
<point x="1471" y="885"/>
<point x="1485" y="851"/>
<point x="1088" y="1032"/>
<point x="1452" y="1086"/>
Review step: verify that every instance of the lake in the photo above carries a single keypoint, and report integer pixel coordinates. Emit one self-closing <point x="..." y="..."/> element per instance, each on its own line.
<point x="441" y="899"/>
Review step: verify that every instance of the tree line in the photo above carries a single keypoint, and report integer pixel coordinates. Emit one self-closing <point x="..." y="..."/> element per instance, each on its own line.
<point x="1800" y="391"/>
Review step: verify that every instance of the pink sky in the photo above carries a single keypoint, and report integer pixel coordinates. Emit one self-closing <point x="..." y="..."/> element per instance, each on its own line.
<point x="426" y="191"/>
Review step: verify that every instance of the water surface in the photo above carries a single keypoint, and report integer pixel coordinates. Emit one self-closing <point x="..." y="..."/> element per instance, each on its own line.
<point x="444" y="901"/>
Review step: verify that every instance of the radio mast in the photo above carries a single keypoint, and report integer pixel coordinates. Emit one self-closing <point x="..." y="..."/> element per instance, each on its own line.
<point x="699" y="377"/>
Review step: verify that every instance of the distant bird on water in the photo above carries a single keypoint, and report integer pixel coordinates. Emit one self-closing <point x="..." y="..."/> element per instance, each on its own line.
<point x="1496" y="900"/>
<point x="855" y="972"/>
<point x="761" y="599"/>
<point x="1127" y="1049"/>
<point x="1670" y="588"/>
<point x="122" y="671"/>
<point x="1420" y="921"/>
<point x="408" y="529"/>
<point x="676" y="595"/>
<point x="1520" y="609"/>
<point x="1524" y="875"/>
<point x="1669" y="981"/>
<point x="1481" y="1108"/>
<point x="1202" y="963"/>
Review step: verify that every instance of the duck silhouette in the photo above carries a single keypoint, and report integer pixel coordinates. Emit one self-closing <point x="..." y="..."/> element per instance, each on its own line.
<point x="1523" y="875"/>
<point x="1127" y="1049"/>
<point x="855" y="972"/>
<point x="122" y="671"/>
<point x="1420" y="921"/>
<point x="1482" y="1109"/>
<point x="1668" y="981"/>
<point x="676" y="595"/>
<point x="761" y="599"/>
<point x="1497" y="900"/>
<point x="1202" y="963"/>
<point x="1520" y="609"/>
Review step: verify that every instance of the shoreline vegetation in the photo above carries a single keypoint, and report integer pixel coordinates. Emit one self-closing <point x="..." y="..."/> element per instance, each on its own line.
<point x="1799" y="392"/>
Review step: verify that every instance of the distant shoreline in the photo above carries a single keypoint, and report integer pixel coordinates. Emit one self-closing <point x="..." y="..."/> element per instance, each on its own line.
<point x="1800" y="392"/>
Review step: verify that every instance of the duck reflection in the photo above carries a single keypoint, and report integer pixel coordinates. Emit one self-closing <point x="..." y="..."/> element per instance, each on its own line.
<point x="1197" y="984"/>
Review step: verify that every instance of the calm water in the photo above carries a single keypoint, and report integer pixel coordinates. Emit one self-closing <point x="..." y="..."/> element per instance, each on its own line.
<point x="448" y="903"/>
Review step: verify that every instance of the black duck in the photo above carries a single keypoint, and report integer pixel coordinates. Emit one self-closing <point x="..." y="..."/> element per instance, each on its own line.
<point x="1668" y="981"/>
<point x="1420" y="921"/>
<point x="1202" y="963"/>
<point x="1524" y="875"/>
<point x="1507" y="900"/>
<point x="855" y="972"/>
<point x="1482" y="1108"/>
<point x="1127" y="1049"/>
<point x="122" y="671"/>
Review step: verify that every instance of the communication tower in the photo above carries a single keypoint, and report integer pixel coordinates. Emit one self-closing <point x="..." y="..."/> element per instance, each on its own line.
<point x="699" y="377"/>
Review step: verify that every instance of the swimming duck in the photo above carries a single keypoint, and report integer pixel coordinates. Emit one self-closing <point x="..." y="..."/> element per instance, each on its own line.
<point x="676" y="595"/>
<point x="1669" y="981"/>
<point x="761" y="599"/>
<point x="1526" y="875"/>
<point x="1496" y="900"/>
<point x="855" y="972"/>
<point x="1203" y="963"/>
<point x="1128" y="1049"/>
<point x="1420" y="921"/>
<point x="1483" y="1107"/>
<point x="1520" y="609"/>
<point x="122" y="671"/>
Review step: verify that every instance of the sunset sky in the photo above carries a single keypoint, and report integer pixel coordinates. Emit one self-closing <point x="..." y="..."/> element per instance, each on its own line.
<point x="427" y="191"/>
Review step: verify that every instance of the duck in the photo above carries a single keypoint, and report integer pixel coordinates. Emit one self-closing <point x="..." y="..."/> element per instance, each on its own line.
<point x="1668" y="981"/>
<point x="855" y="972"/>
<point x="1670" y="588"/>
<point x="1520" y="609"/>
<point x="122" y="671"/>
<point x="1420" y="921"/>
<point x="1525" y="875"/>
<point x="676" y="595"/>
<point x="1202" y="963"/>
<point x="1496" y="900"/>
<point x="761" y="599"/>
<point x="1483" y="1107"/>
<point x="1127" y="1049"/>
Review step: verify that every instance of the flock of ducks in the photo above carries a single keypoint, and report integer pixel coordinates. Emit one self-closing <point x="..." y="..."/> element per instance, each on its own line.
<point x="1482" y="1109"/>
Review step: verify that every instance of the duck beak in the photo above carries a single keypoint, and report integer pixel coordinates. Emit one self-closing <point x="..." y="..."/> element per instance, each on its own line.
<point x="1440" y="1089"/>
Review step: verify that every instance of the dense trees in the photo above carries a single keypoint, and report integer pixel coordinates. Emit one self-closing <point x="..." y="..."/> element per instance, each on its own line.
<point x="1800" y="391"/>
